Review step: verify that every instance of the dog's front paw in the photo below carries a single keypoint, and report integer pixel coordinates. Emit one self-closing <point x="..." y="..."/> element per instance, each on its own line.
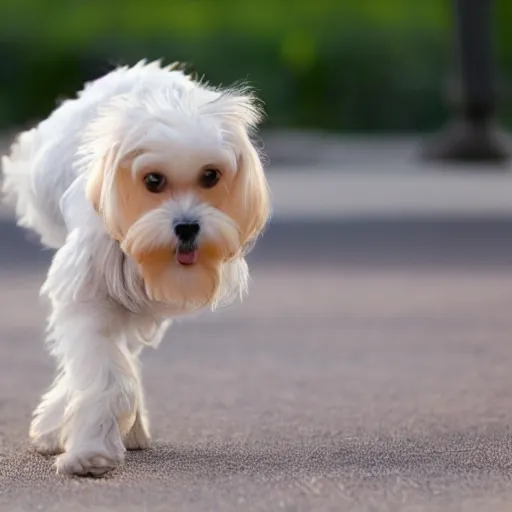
<point x="88" y="462"/>
<point x="47" y="444"/>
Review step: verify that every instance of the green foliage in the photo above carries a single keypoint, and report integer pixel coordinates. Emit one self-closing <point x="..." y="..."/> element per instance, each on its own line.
<point x="331" y="64"/>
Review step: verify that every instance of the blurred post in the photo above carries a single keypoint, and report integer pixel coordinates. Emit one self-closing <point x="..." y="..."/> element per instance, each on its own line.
<point x="472" y="134"/>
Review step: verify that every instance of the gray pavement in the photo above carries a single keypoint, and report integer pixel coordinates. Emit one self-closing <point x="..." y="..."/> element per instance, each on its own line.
<point x="368" y="370"/>
<point x="373" y="380"/>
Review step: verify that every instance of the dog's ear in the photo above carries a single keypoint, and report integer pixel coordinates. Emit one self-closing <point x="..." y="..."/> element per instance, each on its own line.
<point x="73" y="205"/>
<point x="100" y="192"/>
<point x="94" y="185"/>
<point x="241" y="112"/>
<point x="252" y="194"/>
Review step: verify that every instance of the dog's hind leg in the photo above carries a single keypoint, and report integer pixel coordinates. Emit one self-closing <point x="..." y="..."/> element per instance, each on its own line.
<point x="46" y="427"/>
<point x="138" y="437"/>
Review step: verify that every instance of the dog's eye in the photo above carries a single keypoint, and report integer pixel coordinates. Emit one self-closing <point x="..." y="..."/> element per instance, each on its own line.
<point x="155" y="182"/>
<point x="209" y="178"/>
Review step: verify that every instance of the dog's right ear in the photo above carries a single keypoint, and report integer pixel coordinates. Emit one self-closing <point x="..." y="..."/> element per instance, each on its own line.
<point x="100" y="193"/>
<point x="94" y="185"/>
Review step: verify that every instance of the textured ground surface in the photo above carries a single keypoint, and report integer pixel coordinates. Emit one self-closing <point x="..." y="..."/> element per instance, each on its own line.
<point x="369" y="370"/>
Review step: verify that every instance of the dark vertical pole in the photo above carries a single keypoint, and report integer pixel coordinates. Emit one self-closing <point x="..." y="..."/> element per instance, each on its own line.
<point x="473" y="20"/>
<point x="471" y="135"/>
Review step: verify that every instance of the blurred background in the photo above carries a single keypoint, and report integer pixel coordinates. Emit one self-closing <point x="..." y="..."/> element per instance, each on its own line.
<point x="337" y="65"/>
<point x="381" y="294"/>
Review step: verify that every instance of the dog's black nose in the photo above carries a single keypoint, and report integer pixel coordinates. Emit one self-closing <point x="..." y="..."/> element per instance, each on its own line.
<point x="186" y="232"/>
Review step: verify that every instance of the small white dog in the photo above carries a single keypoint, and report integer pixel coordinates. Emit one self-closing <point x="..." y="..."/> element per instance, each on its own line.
<point x="150" y="189"/>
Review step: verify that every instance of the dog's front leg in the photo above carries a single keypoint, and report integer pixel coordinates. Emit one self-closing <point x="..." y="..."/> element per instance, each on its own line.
<point x="102" y="388"/>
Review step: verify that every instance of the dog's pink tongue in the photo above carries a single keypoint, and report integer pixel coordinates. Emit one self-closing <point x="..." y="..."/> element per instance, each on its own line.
<point x="187" y="258"/>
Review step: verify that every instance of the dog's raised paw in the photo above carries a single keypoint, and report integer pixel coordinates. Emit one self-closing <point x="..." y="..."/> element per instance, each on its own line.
<point x="87" y="463"/>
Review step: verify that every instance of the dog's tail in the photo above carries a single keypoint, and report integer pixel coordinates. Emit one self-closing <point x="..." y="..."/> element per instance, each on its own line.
<point x="17" y="188"/>
<point x="15" y="174"/>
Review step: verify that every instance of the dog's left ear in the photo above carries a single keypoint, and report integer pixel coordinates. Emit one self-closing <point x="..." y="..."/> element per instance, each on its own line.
<point x="241" y="113"/>
<point x="252" y="193"/>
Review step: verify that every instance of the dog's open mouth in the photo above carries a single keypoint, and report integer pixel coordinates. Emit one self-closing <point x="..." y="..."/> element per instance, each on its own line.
<point x="186" y="254"/>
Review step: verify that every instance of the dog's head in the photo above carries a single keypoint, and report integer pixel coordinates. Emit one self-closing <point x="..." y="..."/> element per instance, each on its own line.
<point x="178" y="182"/>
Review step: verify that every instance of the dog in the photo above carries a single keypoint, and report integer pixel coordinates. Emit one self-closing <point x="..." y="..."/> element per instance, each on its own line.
<point x="150" y="188"/>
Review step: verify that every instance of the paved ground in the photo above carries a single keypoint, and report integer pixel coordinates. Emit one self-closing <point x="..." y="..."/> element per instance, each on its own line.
<point x="368" y="370"/>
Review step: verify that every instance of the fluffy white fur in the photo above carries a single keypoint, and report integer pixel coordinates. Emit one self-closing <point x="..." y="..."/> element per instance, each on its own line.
<point x="103" y="308"/>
